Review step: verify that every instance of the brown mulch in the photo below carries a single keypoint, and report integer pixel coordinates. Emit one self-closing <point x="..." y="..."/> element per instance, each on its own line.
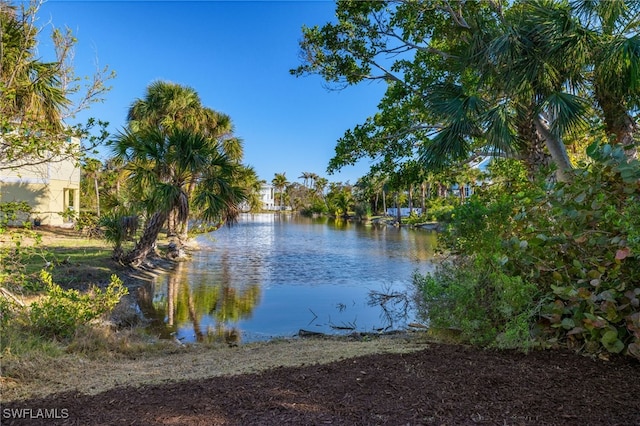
<point x="443" y="384"/>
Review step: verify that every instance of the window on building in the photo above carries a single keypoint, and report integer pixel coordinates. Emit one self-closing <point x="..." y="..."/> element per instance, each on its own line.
<point x="70" y="198"/>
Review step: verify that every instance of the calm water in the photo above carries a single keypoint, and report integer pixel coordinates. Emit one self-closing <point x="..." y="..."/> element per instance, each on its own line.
<point x="272" y="275"/>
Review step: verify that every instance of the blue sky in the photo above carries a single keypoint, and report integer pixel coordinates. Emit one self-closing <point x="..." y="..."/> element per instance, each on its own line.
<point x="237" y="56"/>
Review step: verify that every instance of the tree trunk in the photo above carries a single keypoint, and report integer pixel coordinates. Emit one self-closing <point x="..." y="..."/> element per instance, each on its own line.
<point x="384" y="202"/>
<point x="532" y="153"/>
<point x="95" y="184"/>
<point x="618" y="123"/>
<point x="183" y="226"/>
<point x="557" y="149"/>
<point x="172" y="223"/>
<point x="148" y="240"/>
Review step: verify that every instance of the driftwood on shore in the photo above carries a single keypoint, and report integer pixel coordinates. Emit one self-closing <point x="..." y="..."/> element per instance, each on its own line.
<point x="355" y="335"/>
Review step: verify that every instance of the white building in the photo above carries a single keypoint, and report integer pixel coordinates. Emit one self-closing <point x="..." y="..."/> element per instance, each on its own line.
<point x="52" y="189"/>
<point x="267" y="197"/>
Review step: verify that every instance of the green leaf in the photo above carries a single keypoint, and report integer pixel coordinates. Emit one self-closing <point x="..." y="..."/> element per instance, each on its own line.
<point x="592" y="150"/>
<point x="568" y="323"/>
<point x="609" y="336"/>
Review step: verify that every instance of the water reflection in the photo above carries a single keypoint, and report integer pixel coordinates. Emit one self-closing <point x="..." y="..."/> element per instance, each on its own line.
<point x="212" y="308"/>
<point x="272" y="275"/>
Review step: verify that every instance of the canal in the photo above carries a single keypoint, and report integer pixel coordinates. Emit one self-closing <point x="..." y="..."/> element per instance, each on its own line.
<point x="272" y="275"/>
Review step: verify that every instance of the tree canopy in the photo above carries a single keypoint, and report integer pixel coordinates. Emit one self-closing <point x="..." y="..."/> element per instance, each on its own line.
<point x="38" y="96"/>
<point x="504" y="78"/>
<point x="173" y="150"/>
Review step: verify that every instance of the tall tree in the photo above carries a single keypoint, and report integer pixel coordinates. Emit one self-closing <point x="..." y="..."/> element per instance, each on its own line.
<point x="492" y="77"/>
<point x="248" y="180"/>
<point x="37" y="95"/>
<point x="162" y="164"/>
<point x="280" y="183"/>
<point x="168" y="107"/>
<point x="92" y="171"/>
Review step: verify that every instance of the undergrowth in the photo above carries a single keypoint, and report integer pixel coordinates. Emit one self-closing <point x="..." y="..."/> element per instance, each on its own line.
<point x="546" y="265"/>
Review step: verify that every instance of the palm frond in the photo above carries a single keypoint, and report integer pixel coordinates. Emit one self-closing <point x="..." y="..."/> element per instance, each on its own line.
<point x="566" y="113"/>
<point x="501" y="131"/>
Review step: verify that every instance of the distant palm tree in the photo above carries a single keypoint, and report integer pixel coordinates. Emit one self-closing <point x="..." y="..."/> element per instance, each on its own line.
<point x="280" y="183"/>
<point x="92" y="169"/>
<point x="306" y="177"/>
<point x="248" y="179"/>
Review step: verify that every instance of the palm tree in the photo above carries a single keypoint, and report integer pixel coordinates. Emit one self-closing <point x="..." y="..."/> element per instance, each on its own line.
<point x="32" y="89"/>
<point x="162" y="166"/>
<point x="280" y="183"/>
<point x="37" y="96"/>
<point x="249" y="181"/>
<point x="306" y="177"/>
<point x="611" y="46"/>
<point x="520" y="100"/>
<point x="33" y="97"/>
<point x="167" y="106"/>
<point x="92" y="169"/>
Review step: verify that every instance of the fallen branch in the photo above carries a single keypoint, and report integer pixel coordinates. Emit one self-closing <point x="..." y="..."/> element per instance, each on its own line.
<point x="6" y="293"/>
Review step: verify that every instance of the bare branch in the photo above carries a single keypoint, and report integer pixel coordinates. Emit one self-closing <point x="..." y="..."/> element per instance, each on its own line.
<point x="457" y="16"/>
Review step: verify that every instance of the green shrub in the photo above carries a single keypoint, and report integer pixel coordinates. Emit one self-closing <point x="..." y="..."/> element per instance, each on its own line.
<point x="362" y="210"/>
<point x="61" y="311"/>
<point x="7" y="312"/>
<point x="578" y="242"/>
<point x="488" y="307"/>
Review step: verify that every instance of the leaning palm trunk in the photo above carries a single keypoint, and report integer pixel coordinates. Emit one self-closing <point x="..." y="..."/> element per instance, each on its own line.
<point x="557" y="149"/>
<point x="148" y="240"/>
<point x="183" y="222"/>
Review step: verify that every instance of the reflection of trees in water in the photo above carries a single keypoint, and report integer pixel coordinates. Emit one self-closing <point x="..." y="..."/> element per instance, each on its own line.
<point x="190" y="302"/>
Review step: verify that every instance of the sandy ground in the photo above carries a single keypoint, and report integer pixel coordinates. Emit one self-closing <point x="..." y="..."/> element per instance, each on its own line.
<point x="74" y="372"/>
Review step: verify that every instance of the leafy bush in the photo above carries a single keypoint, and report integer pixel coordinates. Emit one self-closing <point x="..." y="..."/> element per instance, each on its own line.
<point x="12" y="256"/>
<point x="61" y="311"/>
<point x="362" y="210"/>
<point x="487" y="307"/>
<point x="578" y="242"/>
<point x="118" y="228"/>
<point x="441" y="208"/>
<point x="88" y="224"/>
<point x="317" y="206"/>
<point x="13" y="211"/>
<point x="7" y="312"/>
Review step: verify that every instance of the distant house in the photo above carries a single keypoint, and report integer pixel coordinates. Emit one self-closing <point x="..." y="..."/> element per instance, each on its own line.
<point x="52" y="189"/>
<point x="480" y="163"/>
<point x="267" y="197"/>
<point x="404" y="211"/>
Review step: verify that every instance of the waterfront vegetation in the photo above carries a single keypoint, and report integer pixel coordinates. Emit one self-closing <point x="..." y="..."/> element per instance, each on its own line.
<point x="543" y="253"/>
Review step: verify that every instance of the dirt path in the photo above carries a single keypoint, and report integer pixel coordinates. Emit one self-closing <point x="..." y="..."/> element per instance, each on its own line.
<point x="431" y="384"/>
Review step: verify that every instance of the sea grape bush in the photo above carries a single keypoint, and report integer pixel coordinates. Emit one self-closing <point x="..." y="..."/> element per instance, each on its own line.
<point x="577" y="243"/>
